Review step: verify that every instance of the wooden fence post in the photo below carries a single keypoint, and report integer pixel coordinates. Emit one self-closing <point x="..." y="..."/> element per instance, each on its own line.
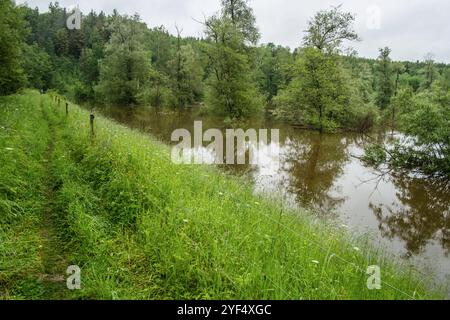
<point x="92" y="117"/>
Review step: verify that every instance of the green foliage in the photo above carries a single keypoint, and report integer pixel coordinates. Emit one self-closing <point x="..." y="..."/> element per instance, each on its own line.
<point x="126" y="66"/>
<point x="425" y="148"/>
<point x="317" y="96"/>
<point x="157" y="93"/>
<point x="188" y="74"/>
<point x="161" y="45"/>
<point x="441" y="89"/>
<point x="12" y="33"/>
<point x="326" y="91"/>
<point x="38" y="66"/>
<point x="273" y="69"/>
<point x="62" y="42"/>
<point x="360" y="113"/>
<point x="329" y="28"/>
<point x="117" y="59"/>
<point x="375" y="155"/>
<point x="242" y="17"/>
<point x="231" y="88"/>
<point x="385" y="81"/>
<point x="401" y="103"/>
<point x="430" y="71"/>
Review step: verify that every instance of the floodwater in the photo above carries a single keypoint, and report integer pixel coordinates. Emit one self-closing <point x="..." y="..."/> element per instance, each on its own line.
<point x="407" y="216"/>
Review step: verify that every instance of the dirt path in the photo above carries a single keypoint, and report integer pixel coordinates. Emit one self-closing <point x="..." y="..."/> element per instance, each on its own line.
<point x="52" y="252"/>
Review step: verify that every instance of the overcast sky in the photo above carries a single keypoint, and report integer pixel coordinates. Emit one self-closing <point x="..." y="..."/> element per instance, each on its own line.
<point x="411" y="28"/>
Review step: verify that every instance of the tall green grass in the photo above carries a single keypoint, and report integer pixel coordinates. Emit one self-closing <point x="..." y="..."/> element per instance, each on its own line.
<point x="141" y="227"/>
<point x="23" y="143"/>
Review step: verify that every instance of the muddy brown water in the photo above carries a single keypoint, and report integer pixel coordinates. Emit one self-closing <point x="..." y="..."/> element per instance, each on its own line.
<point x="407" y="216"/>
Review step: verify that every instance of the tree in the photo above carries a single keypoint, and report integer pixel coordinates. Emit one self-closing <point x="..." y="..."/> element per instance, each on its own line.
<point x="441" y="89"/>
<point x="232" y="91"/>
<point x="187" y="75"/>
<point x="359" y="112"/>
<point x="159" y="42"/>
<point x="242" y="17"/>
<point x="89" y="74"/>
<point x="320" y="94"/>
<point x="95" y="36"/>
<point x="62" y="42"/>
<point x="363" y="76"/>
<point x="400" y="104"/>
<point x="398" y="68"/>
<point x="157" y="92"/>
<point x="329" y="28"/>
<point x="273" y="67"/>
<point x="178" y="73"/>
<point x="232" y="88"/>
<point x="38" y="67"/>
<point x="430" y="71"/>
<point x="317" y="95"/>
<point x="125" y="69"/>
<point x="12" y="35"/>
<point x="385" y="86"/>
<point x="426" y="125"/>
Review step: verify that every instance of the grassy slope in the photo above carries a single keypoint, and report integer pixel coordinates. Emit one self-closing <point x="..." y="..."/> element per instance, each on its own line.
<point x="141" y="227"/>
<point x="23" y="141"/>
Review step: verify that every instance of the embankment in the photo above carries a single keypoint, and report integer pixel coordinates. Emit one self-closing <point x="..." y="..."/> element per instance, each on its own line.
<point x="141" y="227"/>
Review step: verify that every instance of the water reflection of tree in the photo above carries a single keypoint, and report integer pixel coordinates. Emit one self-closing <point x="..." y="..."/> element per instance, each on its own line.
<point x="422" y="216"/>
<point x="314" y="162"/>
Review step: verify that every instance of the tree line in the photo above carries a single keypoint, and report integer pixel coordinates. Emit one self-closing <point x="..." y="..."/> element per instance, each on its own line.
<point x="117" y="59"/>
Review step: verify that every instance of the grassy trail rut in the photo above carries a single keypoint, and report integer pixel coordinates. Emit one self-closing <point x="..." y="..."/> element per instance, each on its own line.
<point x="52" y="251"/>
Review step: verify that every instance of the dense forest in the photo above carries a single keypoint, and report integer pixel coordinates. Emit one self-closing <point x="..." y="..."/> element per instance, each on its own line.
<point x="118" y="59"/>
